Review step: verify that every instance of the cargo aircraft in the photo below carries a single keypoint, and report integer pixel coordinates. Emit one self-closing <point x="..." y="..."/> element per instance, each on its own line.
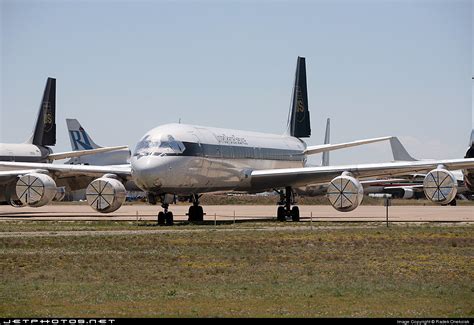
<point x="189" y="160"/>
<point x="37" y="147"/>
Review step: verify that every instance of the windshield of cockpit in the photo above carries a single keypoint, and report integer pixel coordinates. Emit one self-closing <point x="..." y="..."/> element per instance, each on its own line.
<point x="158" y="145"/>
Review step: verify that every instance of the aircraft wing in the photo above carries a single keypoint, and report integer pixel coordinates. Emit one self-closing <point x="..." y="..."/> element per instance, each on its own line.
<point x="79" y="153"/>
<point x="9" y="169"/>
<point x="277" y="178"/>
<point x="311" y="150"/>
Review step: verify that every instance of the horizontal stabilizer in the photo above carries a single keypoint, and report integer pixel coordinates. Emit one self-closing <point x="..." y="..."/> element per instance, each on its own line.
<point x="80" y="153"/>
<point x="311" y="150"/>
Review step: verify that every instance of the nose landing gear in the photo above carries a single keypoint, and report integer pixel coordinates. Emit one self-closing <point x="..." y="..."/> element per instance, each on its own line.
<point x="165" y="217"/>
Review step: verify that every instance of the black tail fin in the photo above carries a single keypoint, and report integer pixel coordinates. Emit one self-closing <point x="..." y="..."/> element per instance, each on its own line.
<point x="299" y="116"/>
<point x="45" y="129"/>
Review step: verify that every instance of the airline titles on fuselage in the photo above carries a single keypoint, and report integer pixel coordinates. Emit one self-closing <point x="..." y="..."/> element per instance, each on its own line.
<point x="232" y="139"/>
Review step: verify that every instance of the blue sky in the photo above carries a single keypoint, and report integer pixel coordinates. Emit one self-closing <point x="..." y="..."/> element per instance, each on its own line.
<point x="375" y="67"/>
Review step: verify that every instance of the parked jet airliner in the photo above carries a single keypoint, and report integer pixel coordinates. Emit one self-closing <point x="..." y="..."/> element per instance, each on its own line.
<point x="188" y="160"/>
<point x="37" y="147"/>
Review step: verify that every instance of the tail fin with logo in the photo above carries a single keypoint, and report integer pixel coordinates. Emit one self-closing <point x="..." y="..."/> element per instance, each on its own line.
<point x="82" y="143"/>
<point x="299" y="122"/>
<point x="80" y="140"/>
<point x="44" y="133"/>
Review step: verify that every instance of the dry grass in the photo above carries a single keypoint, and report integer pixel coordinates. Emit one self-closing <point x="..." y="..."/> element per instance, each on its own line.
<point x="402" y="271"/>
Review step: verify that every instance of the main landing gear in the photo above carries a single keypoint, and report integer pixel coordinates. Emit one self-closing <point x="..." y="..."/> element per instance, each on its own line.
<point x="195" y="213"/>
<point x="287" y="199"/>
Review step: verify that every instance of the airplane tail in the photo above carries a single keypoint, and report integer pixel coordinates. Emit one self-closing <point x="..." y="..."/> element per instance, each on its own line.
<point x="399" y="152"/>
<point x="80" y="140"/>
<point x="44" y="133"/>
<point x="299" y="122"/>
<point x="327" y="140"/>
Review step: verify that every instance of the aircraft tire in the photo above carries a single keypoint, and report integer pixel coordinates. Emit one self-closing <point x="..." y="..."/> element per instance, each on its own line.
<point x="161" y="218"/>
<point x="295" y="214"/>
<point x="192" y="213"/>
<point x="281" y="214"/>
<point x="199" y="213"/>
<point x="169" y="218"/>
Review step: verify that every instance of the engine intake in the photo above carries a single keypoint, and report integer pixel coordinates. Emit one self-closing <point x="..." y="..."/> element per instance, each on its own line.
<point x="105" y="194"/>
<point x="35" y="189"/>
<point x="440" y="186"/>
<point x="345" y="193"/>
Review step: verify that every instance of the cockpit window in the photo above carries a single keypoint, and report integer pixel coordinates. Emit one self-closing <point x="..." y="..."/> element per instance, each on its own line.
<point x="159" y="145"/>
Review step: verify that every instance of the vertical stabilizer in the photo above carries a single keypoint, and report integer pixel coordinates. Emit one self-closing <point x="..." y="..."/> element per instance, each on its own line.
<point x="299" y="123"/>
<point x="44" y="133"/>
<point x="399" y="152"/>
<point x="80" y="140"/>
<point x="327" y="140"/>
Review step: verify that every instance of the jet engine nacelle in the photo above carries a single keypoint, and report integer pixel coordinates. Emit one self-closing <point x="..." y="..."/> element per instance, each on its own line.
<point x="35" y="189"/>
<point x="105" y="194"/>
<point x="408" y="193"/>
<point x="440" y="186"/>
<point x="345" y="193"/>
<point x="469" y="173"/>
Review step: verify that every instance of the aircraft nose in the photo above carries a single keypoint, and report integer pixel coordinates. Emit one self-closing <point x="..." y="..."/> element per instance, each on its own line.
<point x="145" y="171"/>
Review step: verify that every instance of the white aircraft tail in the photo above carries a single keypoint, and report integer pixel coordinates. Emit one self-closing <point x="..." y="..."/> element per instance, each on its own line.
<point x="80" y="140"/>
<point x="327" y="140"/>
<point x="399" y="152"/>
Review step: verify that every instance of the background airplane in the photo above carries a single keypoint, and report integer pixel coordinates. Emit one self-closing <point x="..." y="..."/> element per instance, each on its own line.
<point x="413" y="186"/>
<point x="37" y="147"/>
<point x="81" y="140"/>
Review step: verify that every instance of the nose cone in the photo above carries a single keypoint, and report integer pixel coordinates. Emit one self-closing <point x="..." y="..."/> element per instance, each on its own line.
<point x="145" y="171"/>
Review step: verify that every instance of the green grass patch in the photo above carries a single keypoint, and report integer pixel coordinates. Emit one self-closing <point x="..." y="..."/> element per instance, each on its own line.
<point x="401" y="271"/>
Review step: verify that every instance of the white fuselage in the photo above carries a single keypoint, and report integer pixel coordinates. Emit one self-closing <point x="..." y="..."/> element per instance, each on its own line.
<point x="23" y="152"/>
<point x="186" y="159"/>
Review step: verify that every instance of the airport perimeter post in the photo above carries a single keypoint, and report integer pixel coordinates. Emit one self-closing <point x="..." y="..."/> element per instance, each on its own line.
<point x="388" y="202"/>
